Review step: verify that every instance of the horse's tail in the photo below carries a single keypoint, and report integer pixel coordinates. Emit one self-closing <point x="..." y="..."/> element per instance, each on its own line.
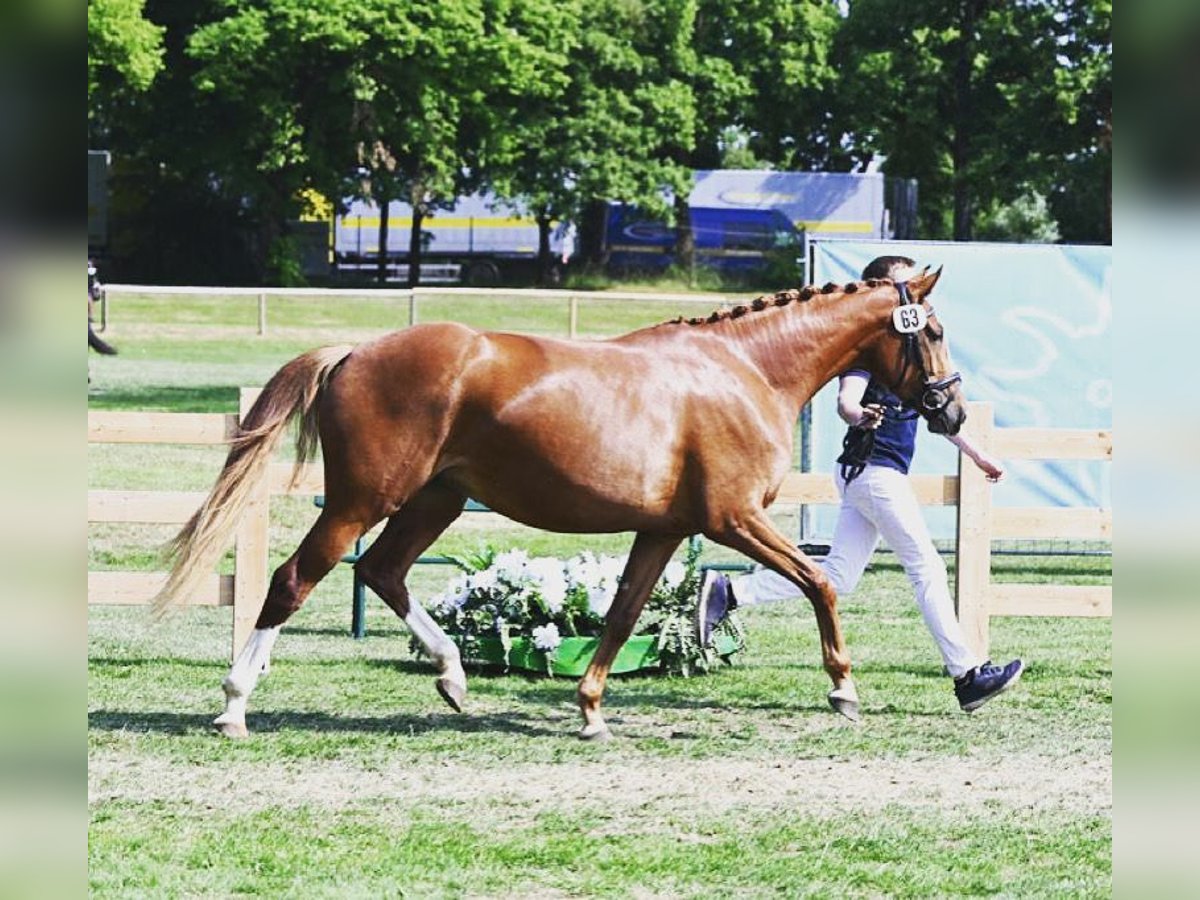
<point x="292" y="391"/>
<point x="100" y="345"/>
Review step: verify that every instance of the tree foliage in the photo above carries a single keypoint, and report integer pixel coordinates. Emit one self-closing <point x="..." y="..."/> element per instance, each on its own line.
<point x="982" y="101"/>
<point x="122" y="44"/>
<point x="222" y="114"/>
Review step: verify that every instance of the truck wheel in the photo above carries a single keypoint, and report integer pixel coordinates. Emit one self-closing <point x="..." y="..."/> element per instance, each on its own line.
<point x="482" y="273"/>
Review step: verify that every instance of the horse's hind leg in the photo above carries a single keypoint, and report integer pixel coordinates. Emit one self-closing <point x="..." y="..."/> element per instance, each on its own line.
<point x="320" y="550"/>
<point x="385" y="565"/>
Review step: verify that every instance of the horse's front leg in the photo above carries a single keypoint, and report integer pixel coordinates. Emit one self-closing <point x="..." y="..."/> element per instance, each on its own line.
<point x="757" y="538"/>
<point x="647" y="559"/>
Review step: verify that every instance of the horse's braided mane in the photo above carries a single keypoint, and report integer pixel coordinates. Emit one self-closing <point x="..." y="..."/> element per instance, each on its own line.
<point x="779" y="298"/>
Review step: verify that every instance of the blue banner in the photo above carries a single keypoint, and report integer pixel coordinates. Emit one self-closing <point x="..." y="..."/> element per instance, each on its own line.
<point x="1029" y="326"/>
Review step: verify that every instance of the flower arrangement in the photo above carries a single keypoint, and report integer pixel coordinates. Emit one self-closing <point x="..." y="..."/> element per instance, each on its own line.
<point x="512" y="608"/>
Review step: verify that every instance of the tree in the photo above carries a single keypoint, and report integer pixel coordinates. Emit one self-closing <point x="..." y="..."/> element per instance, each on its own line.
<point x="438" y="91"/>
<point x="279" y="76"/>
<point x="971" y="97"/>
<point x="780" y="92"/>
<point x="616" y="130"/>
<point x="1080" y="194"/>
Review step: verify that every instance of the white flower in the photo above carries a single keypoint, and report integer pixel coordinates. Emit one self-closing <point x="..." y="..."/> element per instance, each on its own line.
<point x="583" y="571"/>
<point x="550" y="581"/>
<point x="510" y="565"/>
<point x="546" y="637"/>
<point x="673" y="575"/>
<point x="612" y="567"/>
<point x="485" y="580"/>
<point x="454" y="596"/>
<point x="599" y="577"/>
<point x="599" y="602"/>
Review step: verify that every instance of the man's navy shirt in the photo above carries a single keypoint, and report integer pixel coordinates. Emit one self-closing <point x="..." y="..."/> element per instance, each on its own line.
<point x="896" y="436"/>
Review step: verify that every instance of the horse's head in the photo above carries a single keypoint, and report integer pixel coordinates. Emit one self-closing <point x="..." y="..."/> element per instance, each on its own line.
<point x="920" y="371"/>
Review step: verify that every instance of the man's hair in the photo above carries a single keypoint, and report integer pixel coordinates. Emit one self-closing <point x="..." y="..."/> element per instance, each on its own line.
<point x="884" y="266"/>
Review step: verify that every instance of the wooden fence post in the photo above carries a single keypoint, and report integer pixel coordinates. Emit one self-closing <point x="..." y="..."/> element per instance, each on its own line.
<point x="262" y="314"/>
<point x="251" y="547"/>
<point x="973" y="573"/>
<point x="573" y="317"/>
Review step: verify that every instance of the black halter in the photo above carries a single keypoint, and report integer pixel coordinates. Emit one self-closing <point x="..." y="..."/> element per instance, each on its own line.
<point x="859" y="443"/>
<point x="935" y="395"/>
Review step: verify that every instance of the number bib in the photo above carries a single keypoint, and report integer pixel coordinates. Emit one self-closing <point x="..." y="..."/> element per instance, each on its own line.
<point x="910" y="318"/>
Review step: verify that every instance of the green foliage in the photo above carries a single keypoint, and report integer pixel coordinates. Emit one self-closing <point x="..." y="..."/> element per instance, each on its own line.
<point x="122" y="42"/>
<point x="980" y="102"/>
<point x="1026" y="220"/>
<point x="220" y="115"/>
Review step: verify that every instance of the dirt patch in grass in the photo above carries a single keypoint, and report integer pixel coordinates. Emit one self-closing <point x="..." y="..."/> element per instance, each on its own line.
<point x="647" y="789"/>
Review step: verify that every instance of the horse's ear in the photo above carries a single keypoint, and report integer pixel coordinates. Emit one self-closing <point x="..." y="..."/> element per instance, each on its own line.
<point x="922" y="285"/>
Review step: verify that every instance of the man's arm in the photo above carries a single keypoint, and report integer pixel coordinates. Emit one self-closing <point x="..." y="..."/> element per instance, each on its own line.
<point x="992" y="467"/>
<point x="851" y="388"/>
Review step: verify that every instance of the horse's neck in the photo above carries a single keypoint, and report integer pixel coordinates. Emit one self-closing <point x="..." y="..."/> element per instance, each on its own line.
<point x="799" y="349"/>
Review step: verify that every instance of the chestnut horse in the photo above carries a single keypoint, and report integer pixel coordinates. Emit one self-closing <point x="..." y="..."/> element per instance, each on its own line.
<point x="677" y="429"/>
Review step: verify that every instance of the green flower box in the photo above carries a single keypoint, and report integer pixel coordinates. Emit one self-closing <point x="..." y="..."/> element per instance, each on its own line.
<point x="573" y="655"/>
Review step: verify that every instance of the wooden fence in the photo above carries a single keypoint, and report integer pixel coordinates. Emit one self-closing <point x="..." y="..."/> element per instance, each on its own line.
<point x="247" y="587"/>
<point x="410" y="297"/>
<point x="979" y="522"/>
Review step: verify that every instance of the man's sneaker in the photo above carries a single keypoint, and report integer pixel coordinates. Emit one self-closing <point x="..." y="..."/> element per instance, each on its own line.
<point x="716" y="600"/>
<point x="984" y="682"/>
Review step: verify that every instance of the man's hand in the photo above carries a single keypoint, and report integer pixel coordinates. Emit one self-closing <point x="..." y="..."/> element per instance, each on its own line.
<point x="992" y="467"/>
<point x="872" y="416"/>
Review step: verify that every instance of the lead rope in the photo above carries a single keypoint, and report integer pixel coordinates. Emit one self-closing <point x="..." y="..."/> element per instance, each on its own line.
<point x="857" y="447"/>
<point x="859" y="443"/>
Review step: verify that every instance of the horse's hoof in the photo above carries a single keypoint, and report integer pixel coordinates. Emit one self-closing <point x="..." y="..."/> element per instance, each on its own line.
<point x="846" y="706"/>
<point x="233" y="730"/>
<point x="596" y="733"/>
<point x="452" y="692"/>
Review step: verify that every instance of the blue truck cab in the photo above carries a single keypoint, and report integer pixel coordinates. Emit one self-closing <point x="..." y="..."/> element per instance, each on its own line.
<point x="744" y="220"/>
<point x="732" y="240"/>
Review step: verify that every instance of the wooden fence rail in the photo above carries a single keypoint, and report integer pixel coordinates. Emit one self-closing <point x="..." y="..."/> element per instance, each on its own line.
<point x="979" y="523"/>
<point x="411" y="297"/>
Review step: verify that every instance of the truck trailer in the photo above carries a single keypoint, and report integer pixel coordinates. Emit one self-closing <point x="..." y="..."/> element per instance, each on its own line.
<point x="481" y="241"/>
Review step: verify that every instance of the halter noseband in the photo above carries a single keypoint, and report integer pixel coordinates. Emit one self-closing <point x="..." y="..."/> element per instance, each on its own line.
<point x="935" y="395"/>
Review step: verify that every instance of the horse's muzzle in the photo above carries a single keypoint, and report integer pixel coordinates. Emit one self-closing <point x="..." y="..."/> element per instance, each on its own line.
<point x="949" y="419"/>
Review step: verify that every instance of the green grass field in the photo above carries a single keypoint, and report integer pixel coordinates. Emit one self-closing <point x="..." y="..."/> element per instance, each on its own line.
<point x="358" y="781"/>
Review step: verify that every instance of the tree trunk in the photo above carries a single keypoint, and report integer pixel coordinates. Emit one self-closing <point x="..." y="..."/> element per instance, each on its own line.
<point x="381" y="271"/>
<point x="685" y="239"/>
<point x="414" y="245"/>
<point x="545" y="263"/>
<point x="960" y="149"/>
